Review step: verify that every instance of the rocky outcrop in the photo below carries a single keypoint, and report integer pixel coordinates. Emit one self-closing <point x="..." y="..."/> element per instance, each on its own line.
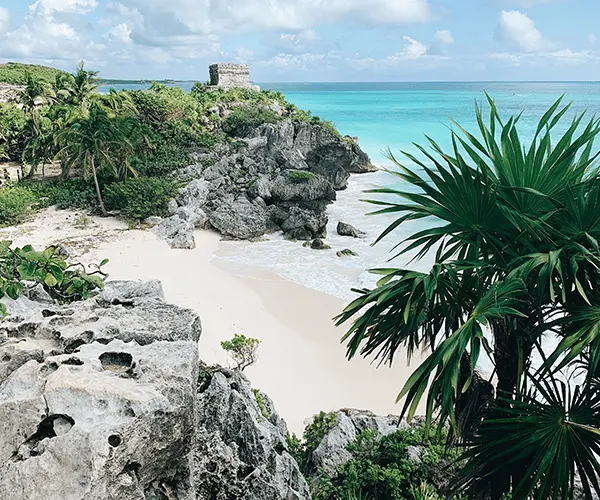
<point x="348" y="425"/>
<point x="10" y="93"/>
<point x="271" y="177"/>
<point x="100" y="400"/>
<point x="242" y="449"/>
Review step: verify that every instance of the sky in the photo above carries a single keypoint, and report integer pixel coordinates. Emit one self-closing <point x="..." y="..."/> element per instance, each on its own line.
<point x="310" y="40"/>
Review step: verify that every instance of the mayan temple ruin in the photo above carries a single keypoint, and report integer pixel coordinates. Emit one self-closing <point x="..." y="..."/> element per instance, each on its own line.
<point x="230" y="75"/>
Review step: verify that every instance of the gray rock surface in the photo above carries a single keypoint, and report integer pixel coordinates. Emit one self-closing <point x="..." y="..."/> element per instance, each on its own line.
<point x="270" y="177"/>
<point x="97" y="398"/>
<point x="10" y="93"/>
<point x="331" y="452"/>
<point x="344" y="229"/>
<point x="178" y="232"/>
<point x="242" y="449"/>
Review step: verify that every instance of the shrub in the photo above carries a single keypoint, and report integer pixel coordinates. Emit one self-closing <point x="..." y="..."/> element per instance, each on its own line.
<point x="74" y="193"/>
<point x="164" y="160"/>
<point x="15" y="204"/>
<point x="63" y="281"/>
<point x="242" y="349"/>
<point x="14" y="127"/>
<point x="380" y="467"/>
<point x="300" y="176"/>
<point x="140" y="197"/>
<point x="242" y="117"/>
<point x="16" y="73"/>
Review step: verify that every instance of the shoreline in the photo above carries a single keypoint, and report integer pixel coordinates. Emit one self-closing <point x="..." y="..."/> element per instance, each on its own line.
<point x="301" y="365"/>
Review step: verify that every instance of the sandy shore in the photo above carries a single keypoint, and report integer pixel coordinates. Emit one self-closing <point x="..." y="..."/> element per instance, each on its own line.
<point x="301" y="361"/>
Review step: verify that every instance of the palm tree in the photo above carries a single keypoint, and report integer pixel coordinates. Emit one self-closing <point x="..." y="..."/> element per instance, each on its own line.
<point x="91" y="141"/>
<point x="83" y="85"/>
<point x="515" y="233"/>
<point x="33" y="96"/>
<point x="118" y="103"/>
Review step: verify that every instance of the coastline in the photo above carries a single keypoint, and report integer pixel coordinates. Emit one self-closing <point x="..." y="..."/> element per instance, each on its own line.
<point x="301" y="366"/>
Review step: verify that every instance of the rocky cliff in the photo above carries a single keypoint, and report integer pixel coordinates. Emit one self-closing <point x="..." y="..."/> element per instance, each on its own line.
<point x="100" y="400"/>
<point x="272" y="177"/>
<point x="10" y="93"/>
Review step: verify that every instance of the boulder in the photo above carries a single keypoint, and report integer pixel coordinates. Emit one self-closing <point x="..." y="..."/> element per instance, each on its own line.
<point x="178" y="232"/>
<point x="344" y="229"/>
<point x="319" y="244"/>
<point x="301" y="186"/>
<point x="346" y="253"/>
<point x="240" y="219"/>
<point x="97" y="398"/>
<point x="301" y="223"/>
<point x="242" y="450"/>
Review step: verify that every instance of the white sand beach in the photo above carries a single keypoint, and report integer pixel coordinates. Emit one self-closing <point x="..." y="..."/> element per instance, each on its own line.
<point x="301" y="366"/>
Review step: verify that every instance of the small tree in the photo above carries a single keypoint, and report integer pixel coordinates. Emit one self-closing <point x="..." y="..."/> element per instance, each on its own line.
<point x="242" y="349"/>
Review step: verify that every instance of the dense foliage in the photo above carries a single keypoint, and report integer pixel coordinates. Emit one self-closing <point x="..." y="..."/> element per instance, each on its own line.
<point x="102" y="140"/>
<point x="514" y="230"/>
<point x="16" y="73"/>
<point x="140" y="197"/>
<point x="22" y="268"/>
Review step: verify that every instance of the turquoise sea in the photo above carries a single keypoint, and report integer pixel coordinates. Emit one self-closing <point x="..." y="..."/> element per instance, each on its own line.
<point x="390" y="115"/>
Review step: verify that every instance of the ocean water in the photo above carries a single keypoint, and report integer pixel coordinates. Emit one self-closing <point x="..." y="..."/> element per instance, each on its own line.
<point x="388" y="116"/>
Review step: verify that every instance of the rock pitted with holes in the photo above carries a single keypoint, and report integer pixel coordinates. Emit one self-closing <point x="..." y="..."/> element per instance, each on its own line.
<point x="97" y="399"/>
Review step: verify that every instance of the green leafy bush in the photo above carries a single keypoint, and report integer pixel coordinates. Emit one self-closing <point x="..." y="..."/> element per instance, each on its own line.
<point x="208" y="97"/>
<point x="15" y="204"/>
<point x="15" y="129"/>
<point x="140" y="197"/>
<point x="248" y="116"/>
<point x="313" y="435"/>
<point x="242" y="349"/>
<point x="380" y="468"/>
<point x="164" y="160"/>
<point x="19" y="267"/>
<point x="74" y="193"/>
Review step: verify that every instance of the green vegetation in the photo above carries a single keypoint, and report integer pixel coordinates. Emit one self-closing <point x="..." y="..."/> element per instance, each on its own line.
<point x="299" y="176"/>
<point x="381" y="469"/>
<point x="313" y="435"/>
<point x="100" y="141"/>
<point x="248" y="116"/>
<point x="22" y="267"/>
<point x="140" y="197"/>
<point x="515" y="233"/>
<point x="243" y="350"/>
<point x="17" y="73"/>
<point x="16" y="204"/>
<point x="261" y="404"/>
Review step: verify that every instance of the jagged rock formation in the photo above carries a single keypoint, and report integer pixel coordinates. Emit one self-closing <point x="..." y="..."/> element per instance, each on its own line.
<point x="242" y="448"/>
<point x="99" y="400"/>
<point x="273" y="177"/>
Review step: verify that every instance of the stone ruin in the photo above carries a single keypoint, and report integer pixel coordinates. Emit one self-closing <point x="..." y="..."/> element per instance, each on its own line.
<point x="229" y="75"/>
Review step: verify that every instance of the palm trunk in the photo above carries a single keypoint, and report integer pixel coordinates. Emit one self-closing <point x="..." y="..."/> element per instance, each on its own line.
<point x="98" y="192"/>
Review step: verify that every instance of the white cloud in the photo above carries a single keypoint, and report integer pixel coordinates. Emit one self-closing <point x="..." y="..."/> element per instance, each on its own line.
<point x="4" y="20"/>
<point x="519" y="30"/>
<point x="66" y="6"/>
<point x="556" y="57"/>
<point x="120" y="32"/>
<point x="412" y="49"/>
<point x="444" y="36"/>
<point x="159" y="20"/>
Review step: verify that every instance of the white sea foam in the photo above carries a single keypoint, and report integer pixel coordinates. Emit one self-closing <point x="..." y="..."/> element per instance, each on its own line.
<point x="323" y="270"/>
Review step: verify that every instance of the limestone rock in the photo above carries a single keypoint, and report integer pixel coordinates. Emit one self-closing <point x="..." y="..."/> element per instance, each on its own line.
<point x="240" y="219"/>
<point x="242" y="449"/>
<point x="346" y="253"/>
<point x="332" y="452"/>
<point x="97" y="398"/>
<point x="319" y="244"/>
<point x="178" y="232"/>
<point x="344" y="229"/>
<point x="300" y="223"/>
<point x="152" y="221"/>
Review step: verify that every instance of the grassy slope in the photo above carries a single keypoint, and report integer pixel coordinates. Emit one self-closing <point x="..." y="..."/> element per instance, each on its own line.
<point x="16" y="73"/>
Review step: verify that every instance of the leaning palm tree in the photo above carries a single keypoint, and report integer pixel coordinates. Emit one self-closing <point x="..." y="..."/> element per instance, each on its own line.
<point x="78" y="89"/>
<point x="33" y="96"/>
<point x="118" y="103"/>
<point x="514" y="231"/>
<point x="89" y="142"/>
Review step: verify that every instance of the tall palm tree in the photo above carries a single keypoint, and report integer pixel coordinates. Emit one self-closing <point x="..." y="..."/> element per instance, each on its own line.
<point x="84" y="85"/>
<point x="118" y="103"/>
<point x="515" y="232"/>
<point x="33" y="96"/>
<point x="90" y="142"/>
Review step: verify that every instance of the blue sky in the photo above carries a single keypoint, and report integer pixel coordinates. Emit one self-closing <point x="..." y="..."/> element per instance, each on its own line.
<point x="310" y="40"/>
